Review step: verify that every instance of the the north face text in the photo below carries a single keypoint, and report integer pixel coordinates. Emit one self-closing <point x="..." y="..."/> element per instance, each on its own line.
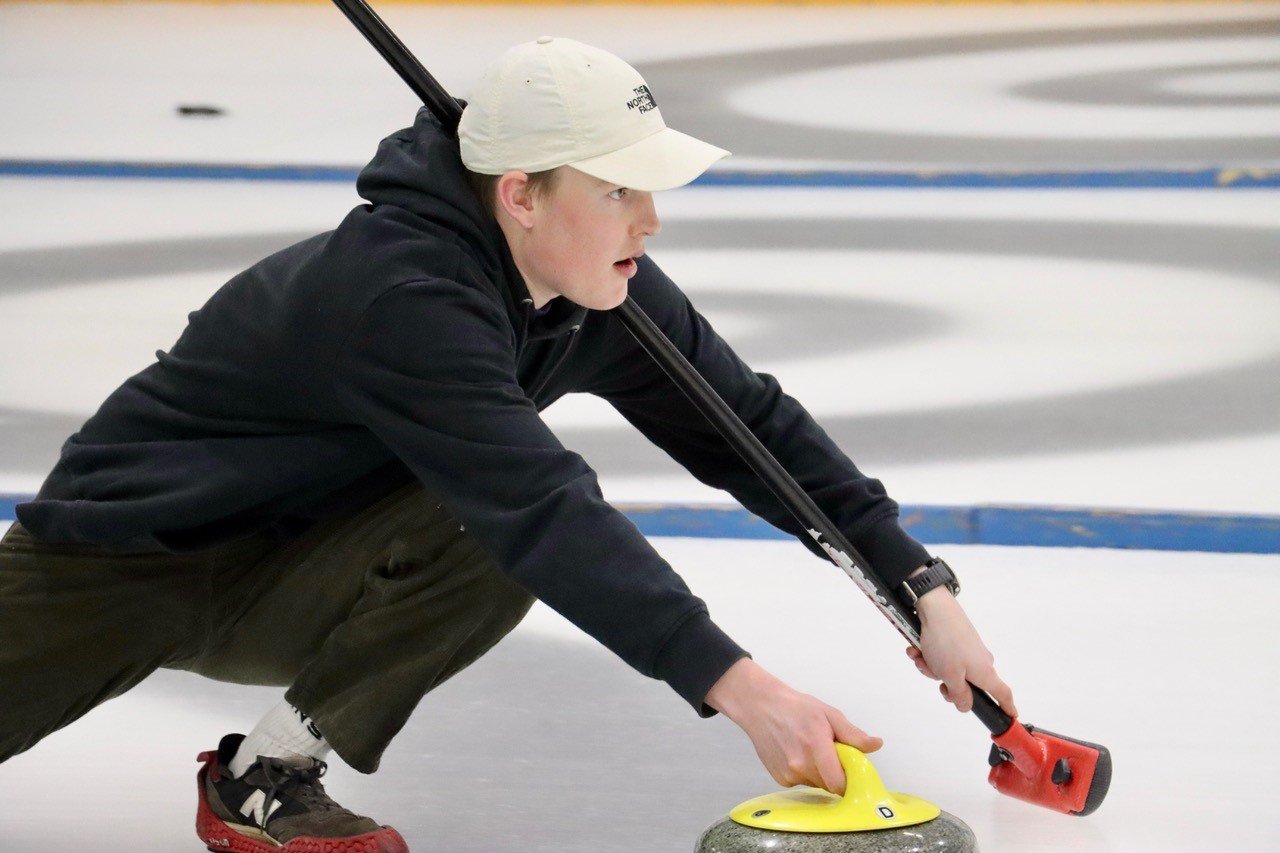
<point x="643" y="101"/>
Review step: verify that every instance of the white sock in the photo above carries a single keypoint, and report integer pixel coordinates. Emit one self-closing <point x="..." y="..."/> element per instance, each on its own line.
<point x="285" y="732"/>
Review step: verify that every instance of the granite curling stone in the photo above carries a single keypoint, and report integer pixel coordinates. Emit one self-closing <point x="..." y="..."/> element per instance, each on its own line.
<point x="867" y="819"/>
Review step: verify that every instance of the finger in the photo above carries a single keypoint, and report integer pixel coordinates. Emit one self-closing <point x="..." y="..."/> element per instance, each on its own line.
<point x="1002" y="693"/>
<point x="917" y="657"/>
<point x="847" y="732"/>
<point x="959" y="694"/>
<point x="830" y="770"/>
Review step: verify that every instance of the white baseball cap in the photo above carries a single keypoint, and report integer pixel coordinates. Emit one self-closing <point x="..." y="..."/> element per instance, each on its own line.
<point x="559" y="102"/>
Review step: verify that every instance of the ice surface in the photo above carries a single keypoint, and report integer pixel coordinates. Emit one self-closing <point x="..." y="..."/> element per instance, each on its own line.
<point x="549" y="743"/>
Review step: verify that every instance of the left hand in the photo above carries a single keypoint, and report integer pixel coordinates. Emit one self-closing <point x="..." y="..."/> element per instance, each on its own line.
<point x="952" y="652"/>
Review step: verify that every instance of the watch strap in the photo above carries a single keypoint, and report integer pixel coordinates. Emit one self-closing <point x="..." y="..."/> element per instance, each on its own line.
<point x="936" y="573"/>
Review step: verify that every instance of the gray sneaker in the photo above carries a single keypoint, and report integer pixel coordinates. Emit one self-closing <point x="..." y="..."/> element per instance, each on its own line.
<point x="279" y="807"/>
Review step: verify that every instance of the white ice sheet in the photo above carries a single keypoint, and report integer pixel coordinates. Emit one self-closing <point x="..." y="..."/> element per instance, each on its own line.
<point x="1167" y="659"/>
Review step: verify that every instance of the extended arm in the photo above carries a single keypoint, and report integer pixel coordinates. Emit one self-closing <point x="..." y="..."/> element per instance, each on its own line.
<point x="789" y="729"/>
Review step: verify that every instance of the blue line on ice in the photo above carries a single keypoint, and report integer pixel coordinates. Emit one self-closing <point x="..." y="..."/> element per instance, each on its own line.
<point x="1214" y="178"/>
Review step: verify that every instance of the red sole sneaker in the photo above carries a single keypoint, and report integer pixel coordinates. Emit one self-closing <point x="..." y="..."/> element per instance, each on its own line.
<point x="218" y="835"/>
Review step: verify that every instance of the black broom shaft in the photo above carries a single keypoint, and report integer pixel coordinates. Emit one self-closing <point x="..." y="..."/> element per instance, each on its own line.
<point x="691" y="383"/>
<point x="442" y="105"/>
<point x="766" y="466"/>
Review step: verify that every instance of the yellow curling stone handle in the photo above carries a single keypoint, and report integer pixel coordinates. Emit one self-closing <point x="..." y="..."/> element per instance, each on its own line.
<point x="865" y="805"/>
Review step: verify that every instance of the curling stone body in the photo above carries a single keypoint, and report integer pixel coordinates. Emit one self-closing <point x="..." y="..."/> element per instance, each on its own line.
<point x="944" y="834"/>
<point x="867" y="819"/>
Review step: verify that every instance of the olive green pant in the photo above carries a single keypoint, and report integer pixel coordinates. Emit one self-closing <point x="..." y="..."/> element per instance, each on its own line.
<point x="360" y="617"/>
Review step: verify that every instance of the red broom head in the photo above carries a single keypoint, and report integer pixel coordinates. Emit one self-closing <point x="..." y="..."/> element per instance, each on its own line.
<point x="1050" y="770"/>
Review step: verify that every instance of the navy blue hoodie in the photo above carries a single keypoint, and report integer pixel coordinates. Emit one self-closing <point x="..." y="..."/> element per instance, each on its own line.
<point x="402" y="345"/>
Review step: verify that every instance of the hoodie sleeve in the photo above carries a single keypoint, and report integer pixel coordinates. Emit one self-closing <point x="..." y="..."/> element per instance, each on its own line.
<point x="633" y="383"/>
<point x="430" y="368"/>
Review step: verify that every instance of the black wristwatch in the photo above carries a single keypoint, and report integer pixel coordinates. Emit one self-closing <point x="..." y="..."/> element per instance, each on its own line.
<point x="936" y="573"/>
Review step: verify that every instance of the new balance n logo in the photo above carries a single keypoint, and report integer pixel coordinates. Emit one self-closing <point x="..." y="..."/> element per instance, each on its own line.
<point x="252" y="808"/>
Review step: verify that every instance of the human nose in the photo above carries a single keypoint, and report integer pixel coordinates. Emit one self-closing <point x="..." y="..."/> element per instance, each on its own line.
<point x="648" y="222"/>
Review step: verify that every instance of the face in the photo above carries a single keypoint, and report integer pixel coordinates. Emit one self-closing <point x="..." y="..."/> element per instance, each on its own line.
<point x="566" y="243"/>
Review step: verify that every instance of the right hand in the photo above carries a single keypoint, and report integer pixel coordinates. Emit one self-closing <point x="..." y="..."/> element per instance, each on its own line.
<point x="793" y="733"/>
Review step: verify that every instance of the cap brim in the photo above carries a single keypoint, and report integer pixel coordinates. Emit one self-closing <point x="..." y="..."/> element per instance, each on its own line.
<point x="662" y="161"/>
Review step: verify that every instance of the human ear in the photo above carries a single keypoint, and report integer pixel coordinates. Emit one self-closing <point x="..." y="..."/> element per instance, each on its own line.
<point x="514" y="197"/>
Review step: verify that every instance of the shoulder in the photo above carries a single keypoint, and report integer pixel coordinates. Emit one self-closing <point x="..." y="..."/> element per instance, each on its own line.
<point x="386" y="245"/>
<point x="431" y="327"/>
<point x="434" y="304"/>
<point x="660" y="297"/>
<point x="651" y="286"/>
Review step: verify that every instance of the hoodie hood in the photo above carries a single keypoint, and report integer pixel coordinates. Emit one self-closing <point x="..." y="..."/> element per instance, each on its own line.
<point x="419" y="169"/>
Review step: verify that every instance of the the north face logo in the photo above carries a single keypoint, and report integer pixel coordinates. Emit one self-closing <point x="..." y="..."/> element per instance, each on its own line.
<point x="643" y="101"/>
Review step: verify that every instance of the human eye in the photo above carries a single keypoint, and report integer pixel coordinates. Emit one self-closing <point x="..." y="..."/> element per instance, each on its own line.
<point x="614" y="194"/>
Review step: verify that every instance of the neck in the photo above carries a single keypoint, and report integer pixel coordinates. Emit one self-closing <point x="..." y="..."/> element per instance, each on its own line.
<point x="514" y="234"/>
<point x="541" y="296"/>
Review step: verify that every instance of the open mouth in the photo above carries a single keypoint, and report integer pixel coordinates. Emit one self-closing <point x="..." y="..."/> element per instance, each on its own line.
<point x="626" y="265"/>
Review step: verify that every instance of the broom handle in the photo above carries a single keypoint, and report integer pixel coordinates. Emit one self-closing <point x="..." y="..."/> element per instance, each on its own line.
<point x="442" y="105"/>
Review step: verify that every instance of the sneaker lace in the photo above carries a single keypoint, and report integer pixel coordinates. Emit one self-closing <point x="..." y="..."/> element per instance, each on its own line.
<point x="302" y="784"/>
